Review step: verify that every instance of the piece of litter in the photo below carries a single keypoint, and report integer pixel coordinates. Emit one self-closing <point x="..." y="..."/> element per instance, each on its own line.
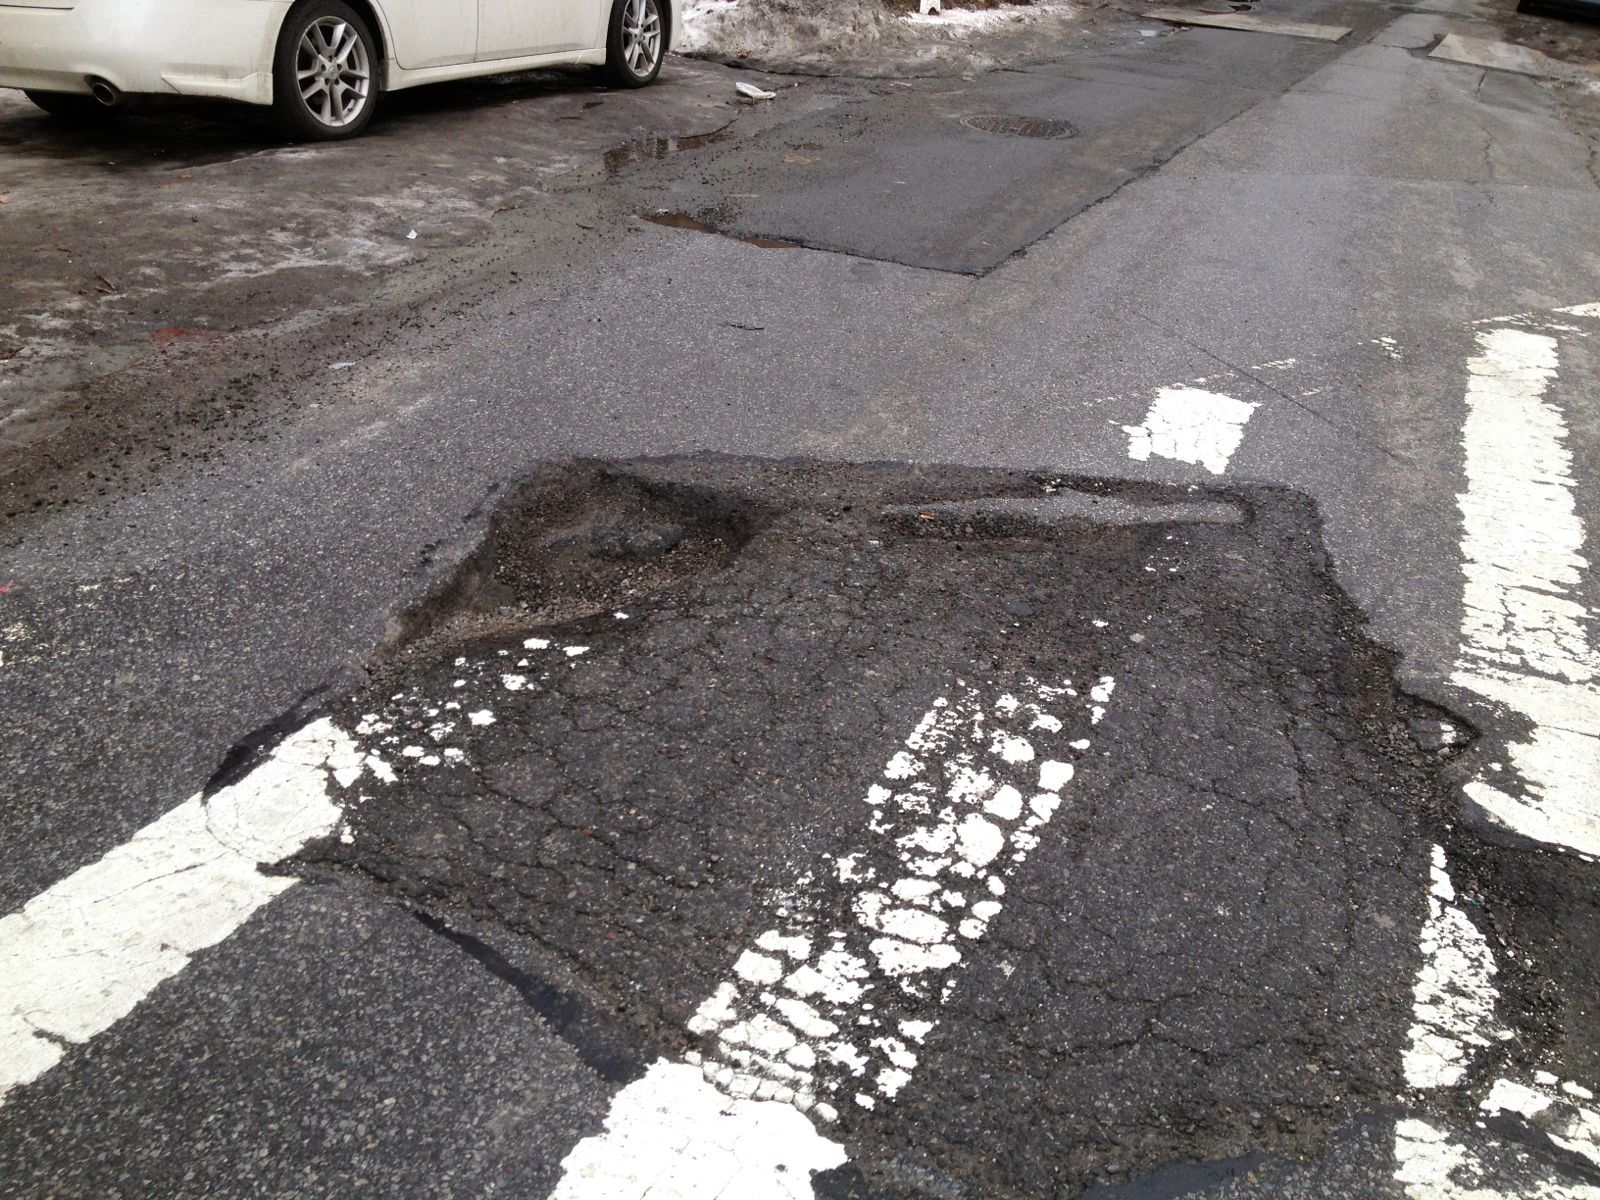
<point x="340" y="366"/>
<point x="412" y="236"/>
<point x="928" y="7"/>
<point x="751" y="92"/>
<point x="1149" y="33"/>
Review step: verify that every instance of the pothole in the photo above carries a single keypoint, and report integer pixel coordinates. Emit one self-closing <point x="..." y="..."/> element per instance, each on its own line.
<point x="1012" y="125"/>
<point x="652" y="754"/>
<point x="642" y="150"/>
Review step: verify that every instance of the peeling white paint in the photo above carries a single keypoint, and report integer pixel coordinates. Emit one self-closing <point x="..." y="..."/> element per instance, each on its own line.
<point x="1525" y="639"/>
<point x="1431" y="1165"/>
<point x="1188" y="424"/>
<point x="674" y="1136"/>
<point x="1454" y="996"/>
<point x="1551" y="1106"/>
<point x="84" y="953"/>
<point x="959" y="805"/>
<point x="832" y="1007"/>
<point x="80" y="956"/>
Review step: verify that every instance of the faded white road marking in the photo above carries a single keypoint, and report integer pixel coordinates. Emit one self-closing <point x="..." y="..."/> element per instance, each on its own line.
<point x="1454" y="1020"/>
<point x="1191" y="425"/>
<point x="1524" y="631"/>
<point x="1553" y="1106"/>
<point x="83" y="954"/>
<point x="834" y="1006"/>
<point x="1454" y="994"/>
<point x="1525" y="645"/>
<point x="1541" y="317"/>
<point x="672" y="1136"/>
<point x="1431" y="1165"/>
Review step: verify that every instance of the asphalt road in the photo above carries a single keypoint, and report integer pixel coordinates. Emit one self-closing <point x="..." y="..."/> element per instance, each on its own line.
<point x="1213" y="607"/>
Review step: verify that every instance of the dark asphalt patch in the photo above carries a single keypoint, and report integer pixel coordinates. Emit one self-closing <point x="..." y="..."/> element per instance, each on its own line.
<point x="1210" y="952"/>
<point x="920" y="178"/>
<point x="1541" y="912"/>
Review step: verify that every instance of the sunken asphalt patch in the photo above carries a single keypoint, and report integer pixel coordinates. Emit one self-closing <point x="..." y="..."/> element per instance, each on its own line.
<point x="1209" y="954"/>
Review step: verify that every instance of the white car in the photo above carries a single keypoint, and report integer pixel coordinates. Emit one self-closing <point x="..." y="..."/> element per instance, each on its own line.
<point x="320" y="64"/>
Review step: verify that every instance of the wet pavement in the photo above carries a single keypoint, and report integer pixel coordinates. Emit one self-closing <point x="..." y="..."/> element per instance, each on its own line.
<point x="188" y="240"/>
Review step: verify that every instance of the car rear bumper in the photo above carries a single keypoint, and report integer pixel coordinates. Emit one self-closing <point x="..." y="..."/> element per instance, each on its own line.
<point x="161" y="47"/>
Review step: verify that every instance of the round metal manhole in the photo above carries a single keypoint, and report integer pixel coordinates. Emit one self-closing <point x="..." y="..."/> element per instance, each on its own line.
<point x="1014" y="126"/>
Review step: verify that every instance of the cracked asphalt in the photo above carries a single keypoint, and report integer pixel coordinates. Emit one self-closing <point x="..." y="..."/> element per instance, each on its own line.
<point x="634" y="810"/>
<point x="635" y="520"/>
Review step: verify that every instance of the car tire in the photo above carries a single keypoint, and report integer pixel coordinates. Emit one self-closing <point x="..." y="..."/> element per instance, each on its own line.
<point x="70" y="106"/>
<point x="636" y="42"/>
<point x="324" y="73"/>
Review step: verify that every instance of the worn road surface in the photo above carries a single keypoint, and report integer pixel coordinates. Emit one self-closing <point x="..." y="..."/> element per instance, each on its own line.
<point x="1027" y="633"/>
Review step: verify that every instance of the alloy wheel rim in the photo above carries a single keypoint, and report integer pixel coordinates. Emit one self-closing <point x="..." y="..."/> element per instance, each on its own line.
<point x="333" y="71"/>
<point x="641" y="36"/>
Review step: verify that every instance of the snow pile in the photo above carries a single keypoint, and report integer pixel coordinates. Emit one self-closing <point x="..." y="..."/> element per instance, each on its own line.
<point x="973" y="20"/>
<point x="866" y="37"/>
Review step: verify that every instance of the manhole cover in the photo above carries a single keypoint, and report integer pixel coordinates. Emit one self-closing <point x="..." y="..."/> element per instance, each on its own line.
<point x="1015" y="126"/>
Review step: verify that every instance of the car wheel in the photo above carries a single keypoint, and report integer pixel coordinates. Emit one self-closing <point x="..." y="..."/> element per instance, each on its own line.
<point x="324" y="77"/>
<point x="70" y="106"/>
<point x="636" y="42"/>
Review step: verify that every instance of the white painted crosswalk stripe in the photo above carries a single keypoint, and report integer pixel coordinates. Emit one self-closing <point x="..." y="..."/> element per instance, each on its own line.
<point x="81" y="955"/>
<point x="1525" y="641"/>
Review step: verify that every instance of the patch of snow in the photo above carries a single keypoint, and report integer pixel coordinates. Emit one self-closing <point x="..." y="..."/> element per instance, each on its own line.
<point x="861" y="36"/>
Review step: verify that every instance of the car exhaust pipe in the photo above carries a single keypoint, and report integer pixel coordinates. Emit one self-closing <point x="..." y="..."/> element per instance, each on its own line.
<point x="105" y="93"/>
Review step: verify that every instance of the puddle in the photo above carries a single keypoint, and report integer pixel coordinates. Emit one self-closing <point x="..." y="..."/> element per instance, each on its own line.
<point x="643" y="150"/>
<point x="678" y="220"/>
<point x="1178" y="1180"/>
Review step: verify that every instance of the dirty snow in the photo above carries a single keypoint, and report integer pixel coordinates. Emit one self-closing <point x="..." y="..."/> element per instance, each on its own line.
<point x="865" y="36"/>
